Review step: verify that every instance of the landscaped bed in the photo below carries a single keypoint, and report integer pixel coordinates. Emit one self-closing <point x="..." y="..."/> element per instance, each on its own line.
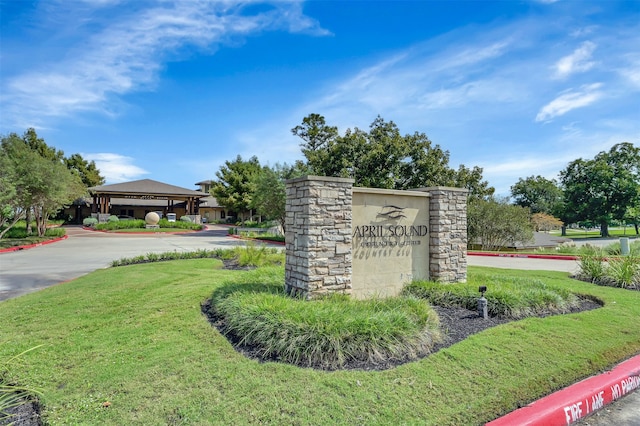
<point x="130" y="345"/>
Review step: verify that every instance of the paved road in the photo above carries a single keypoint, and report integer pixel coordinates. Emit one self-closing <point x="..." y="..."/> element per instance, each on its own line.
<point x="26" y="271"/>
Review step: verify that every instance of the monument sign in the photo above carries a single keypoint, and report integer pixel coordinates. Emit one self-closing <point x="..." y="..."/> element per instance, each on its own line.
<point x="371" y="242"/>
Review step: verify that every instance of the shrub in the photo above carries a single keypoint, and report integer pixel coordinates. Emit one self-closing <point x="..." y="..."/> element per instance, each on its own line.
<point x="113" y="218"/>
<point x="90" y="221"/>
<point x="122" y="224"/>
<point x="507" y="297"/>
<point x="186" y="219"/>
<point x="175" y="255"/>
<point x="328" y="333"/>
<point x="181" y="224"/>
<point x="55" y="232"/>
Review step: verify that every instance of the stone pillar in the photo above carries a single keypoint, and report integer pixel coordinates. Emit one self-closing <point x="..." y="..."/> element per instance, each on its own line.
<point x="447" y="234"/>
<point x="318" y="236"/>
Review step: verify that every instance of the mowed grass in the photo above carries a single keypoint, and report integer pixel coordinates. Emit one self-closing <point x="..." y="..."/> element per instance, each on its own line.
<point x="135" y="337"/>
<point x="595" y="233"/>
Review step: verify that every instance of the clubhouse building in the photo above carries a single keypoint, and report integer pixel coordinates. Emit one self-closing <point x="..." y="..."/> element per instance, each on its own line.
<point x="137" y="198"/>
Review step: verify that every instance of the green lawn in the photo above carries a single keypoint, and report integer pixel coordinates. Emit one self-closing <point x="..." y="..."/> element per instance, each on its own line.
<point x="595" y="233"/>
<point x="135" y="337"/>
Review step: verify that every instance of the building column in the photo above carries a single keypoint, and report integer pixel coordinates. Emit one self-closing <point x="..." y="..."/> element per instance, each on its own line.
<point x="318" y="236"/>
<point x="447" y="234"/>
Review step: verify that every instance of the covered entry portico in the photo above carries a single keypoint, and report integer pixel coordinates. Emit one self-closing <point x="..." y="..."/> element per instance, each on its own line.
<point x="148" y="194"/>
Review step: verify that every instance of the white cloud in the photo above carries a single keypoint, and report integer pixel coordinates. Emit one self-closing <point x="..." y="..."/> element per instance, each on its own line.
<point x="127" y="54"/>
<point x="115" y="167"/>
<point x="578" y="61"/>
<point x="569" y="101"/>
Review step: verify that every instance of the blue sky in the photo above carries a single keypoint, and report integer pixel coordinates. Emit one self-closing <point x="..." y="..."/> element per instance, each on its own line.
<point x="169" y="90"/>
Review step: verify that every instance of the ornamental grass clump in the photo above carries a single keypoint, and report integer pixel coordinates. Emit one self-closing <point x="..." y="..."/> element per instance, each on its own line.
<point x="258" y="255"/>
<point x="615" y="271"/>
<point x="624" y="271"/>
<point x="328" y="333"/>
<point x="507" y="297"/>
<point x="12" y="395"/>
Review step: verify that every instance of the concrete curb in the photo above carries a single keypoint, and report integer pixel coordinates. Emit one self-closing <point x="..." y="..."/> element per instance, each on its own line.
<point x="571" y="404"/>
<point x="18" y="248"/>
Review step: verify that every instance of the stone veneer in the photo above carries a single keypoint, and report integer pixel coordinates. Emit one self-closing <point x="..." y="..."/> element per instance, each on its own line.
<point x="318" y="236"/>
<point x="448" y="234"/>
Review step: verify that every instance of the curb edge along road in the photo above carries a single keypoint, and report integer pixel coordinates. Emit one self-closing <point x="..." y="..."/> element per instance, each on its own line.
<point x="574" y="403"/>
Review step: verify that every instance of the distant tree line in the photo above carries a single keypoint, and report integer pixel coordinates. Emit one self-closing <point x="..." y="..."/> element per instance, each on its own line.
<point x="37" y="180"/>
<point x="381" y="158"/>
<point x="599" y="190"/>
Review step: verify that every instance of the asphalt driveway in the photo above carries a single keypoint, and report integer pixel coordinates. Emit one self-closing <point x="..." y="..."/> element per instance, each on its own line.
<point x="84" y="251"/>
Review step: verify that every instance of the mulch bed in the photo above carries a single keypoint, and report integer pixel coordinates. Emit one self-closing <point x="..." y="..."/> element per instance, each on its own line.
<point x="456" y="323"/>
<point x="27" y="414"/>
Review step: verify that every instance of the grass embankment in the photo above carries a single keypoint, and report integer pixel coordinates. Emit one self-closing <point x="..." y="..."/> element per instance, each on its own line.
<point x="135" y="337"/>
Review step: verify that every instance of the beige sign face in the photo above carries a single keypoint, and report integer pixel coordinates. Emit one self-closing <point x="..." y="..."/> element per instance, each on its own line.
<point x="390" y="240"/>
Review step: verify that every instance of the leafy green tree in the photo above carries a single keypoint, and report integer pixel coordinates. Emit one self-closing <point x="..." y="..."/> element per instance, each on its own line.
<point x="41" y="181"/>
<point x="472" y="180"/>
<point x="11" y="209"/>
<point x="319" y="141"/>
<point x="539" y="194"/>
<point x="86" y="170"/>
<point x="38" y="145"/>
<point x="270" y="196"/>
<point x="495" y="223"/>
<point x="235" y="186"/>
<point x="633" y="216"/>
<point x="604" y="188"/>
<point x="383" y="157"/>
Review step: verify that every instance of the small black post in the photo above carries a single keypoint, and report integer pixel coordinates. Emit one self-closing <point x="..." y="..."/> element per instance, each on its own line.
<point x="482" y="303"/>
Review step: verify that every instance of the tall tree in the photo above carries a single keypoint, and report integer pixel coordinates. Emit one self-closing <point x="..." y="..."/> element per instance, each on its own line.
<point x="494" y="223"/>
<point x="382" y="157"/>
<point x="42" y="182"/>
<point x="270" y="196"/>
<point x="604" y="188"/>
<point x="539" y="194"/>
<point x="11" y="207"/>
<point x="86" y="170"/>
<point x="235" y="186"/>
<point x="38" y="145"/>
<point x="319" y="140"/>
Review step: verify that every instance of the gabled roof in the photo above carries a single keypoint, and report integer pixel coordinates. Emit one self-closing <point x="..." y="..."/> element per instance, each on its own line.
<point x="146" y="187"/>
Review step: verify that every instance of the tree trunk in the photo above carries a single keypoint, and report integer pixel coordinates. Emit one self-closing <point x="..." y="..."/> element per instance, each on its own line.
<point x="28" y="220"/>
<point x="636" y="225"/>
<point x="604" y="229"/>
<point x="564" y="231"/>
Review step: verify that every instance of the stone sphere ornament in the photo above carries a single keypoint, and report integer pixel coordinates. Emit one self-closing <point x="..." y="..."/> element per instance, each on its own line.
<point x="152" y="218"/>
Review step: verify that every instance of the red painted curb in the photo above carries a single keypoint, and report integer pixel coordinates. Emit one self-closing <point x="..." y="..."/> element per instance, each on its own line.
<point x="44" y="243"/>
<point x="524" y="256"/>
<point x="579" y="400"/>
